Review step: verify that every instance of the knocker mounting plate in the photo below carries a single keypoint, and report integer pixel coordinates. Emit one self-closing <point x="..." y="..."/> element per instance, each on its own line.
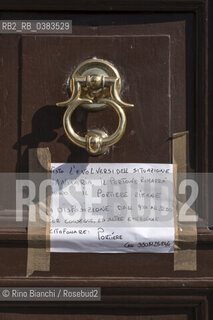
<point x="94" y="70"/>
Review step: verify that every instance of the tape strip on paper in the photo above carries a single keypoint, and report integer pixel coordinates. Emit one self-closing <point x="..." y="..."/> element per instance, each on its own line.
<point x="38" y="257"/>
<point x="185" y="249"/>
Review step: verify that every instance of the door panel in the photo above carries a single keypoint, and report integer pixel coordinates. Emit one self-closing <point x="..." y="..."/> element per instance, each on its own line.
<point x="151" y="60"/>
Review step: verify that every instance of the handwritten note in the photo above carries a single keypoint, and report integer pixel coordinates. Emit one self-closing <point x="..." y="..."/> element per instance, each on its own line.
<point x="112" y="208"/>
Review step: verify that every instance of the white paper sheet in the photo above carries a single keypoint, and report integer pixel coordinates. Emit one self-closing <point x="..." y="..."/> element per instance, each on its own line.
<point x="112" y="208"/>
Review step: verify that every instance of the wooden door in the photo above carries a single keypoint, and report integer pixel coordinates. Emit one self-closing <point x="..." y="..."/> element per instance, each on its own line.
<point x="160" y="51"/>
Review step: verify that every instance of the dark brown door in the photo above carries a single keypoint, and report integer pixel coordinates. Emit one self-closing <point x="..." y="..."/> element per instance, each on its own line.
<point x="161" y="64"/>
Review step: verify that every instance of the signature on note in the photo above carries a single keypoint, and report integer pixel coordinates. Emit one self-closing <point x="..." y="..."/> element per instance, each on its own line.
<point x="102" y="235"/>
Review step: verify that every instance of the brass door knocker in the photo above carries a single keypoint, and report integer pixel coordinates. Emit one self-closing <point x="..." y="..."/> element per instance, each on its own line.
<point x="95" y="84"/>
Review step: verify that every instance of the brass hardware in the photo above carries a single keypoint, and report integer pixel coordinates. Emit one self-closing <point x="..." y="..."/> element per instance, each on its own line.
<point x="95" y="84"/>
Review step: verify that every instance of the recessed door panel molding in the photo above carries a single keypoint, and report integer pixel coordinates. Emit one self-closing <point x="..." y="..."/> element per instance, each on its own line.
<point x="44" y="72"/>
